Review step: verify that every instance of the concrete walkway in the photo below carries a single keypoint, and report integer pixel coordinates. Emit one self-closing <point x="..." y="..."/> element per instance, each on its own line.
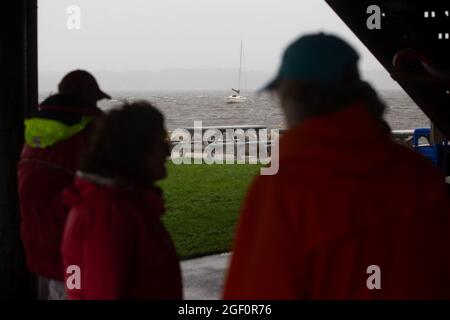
<point x="203" y="277"/>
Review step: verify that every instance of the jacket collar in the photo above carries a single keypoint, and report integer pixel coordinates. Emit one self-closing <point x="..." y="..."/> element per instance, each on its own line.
<point x="96" y="179"/>
<point x="88" y="185"/>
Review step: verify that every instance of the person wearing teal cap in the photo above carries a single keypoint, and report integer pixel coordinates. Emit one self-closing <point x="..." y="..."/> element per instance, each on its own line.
<point x="316" y="58"/>
<point x="350" y="213"/>
<point x="320" y="72"/>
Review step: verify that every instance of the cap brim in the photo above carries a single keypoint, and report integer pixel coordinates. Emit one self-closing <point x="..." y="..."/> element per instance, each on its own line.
<point x="271" y="85"/>
<point x="103" y="95"/>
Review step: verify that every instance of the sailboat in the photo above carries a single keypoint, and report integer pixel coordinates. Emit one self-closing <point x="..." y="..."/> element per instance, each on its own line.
<point x="236" y="96"/>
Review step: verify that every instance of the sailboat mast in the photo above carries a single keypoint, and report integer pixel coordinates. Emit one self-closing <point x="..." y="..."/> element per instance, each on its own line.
<point x="240" y="69"/>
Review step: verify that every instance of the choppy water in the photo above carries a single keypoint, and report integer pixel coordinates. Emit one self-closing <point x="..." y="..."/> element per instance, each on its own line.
<point x="182" y="108"/>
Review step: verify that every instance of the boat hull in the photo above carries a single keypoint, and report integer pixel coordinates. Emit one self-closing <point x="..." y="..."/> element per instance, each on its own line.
<point x="236" y="99"/>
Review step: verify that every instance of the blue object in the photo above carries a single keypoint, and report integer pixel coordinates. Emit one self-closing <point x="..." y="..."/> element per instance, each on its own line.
<point x="431" y="150"/>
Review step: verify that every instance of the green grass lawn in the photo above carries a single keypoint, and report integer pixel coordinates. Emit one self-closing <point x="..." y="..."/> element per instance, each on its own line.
<point x="203" y="203"/>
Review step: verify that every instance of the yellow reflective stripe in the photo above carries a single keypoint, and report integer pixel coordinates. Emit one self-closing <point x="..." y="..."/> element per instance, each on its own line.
<point x="42" y="133"/>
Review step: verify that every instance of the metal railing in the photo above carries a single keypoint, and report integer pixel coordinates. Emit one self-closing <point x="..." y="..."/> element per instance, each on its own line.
<point x="238" y="148"/>
<point x="403" y="137"/>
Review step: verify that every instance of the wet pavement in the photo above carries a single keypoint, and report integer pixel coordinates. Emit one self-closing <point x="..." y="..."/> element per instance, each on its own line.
<point x="203" y="277"/>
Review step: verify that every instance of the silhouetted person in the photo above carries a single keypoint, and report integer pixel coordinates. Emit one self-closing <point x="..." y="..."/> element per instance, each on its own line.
<point x="350" y="213"/>
<point x="114" y="233"/>
<point x="54" y="136"/>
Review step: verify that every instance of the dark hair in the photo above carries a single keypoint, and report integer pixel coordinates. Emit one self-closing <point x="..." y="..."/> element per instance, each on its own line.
<point x="121" y="142"/>
<point x="318" y="98"/>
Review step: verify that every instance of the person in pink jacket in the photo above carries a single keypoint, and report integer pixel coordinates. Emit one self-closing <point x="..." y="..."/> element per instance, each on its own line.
<point x="114" y="235"/>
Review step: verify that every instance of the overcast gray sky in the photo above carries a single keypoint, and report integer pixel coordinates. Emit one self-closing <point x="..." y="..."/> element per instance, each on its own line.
<point x="124" y="35"/>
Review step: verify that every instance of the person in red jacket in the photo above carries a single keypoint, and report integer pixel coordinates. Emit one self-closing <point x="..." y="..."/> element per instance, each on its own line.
<point x="114" y="236"/>
<point x="350" y="213"/>
<point x="55" y="134"/>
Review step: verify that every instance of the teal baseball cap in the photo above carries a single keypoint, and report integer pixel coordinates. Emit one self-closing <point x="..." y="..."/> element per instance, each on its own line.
<point x="320" y="58"/>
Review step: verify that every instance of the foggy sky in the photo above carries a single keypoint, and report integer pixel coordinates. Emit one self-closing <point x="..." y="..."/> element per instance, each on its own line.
<point x="156" y="35"/>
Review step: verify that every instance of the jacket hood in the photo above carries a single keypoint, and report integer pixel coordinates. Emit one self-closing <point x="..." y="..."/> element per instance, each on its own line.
<point x="351" y="140"/>
<point x="68" y="101"/>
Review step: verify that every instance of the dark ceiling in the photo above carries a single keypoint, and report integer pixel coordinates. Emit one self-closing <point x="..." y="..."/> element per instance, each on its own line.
<point x="416" y="30"/>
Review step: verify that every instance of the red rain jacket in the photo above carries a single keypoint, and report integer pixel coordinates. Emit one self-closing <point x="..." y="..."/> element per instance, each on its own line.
<point x="346" y="197"/>
<point x="122" y="248"/>
<point x="43" y="173"/>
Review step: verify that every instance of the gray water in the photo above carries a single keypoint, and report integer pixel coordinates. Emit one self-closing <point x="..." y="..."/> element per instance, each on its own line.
<point x="182" y="108"/>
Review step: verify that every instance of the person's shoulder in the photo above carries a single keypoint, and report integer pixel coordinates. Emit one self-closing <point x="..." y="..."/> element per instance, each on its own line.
<point x="281" y="190"/>
<point x="293" y="173"/>
<point x="105" y="209"/>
